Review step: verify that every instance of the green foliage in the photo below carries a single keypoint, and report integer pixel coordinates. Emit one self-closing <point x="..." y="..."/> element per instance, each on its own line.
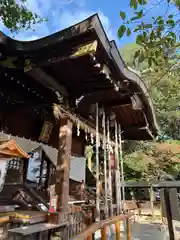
<point x="16" y="16"/>
<point x="151" y="161"/>
<point x="166" y="96"/>
<point x="123" y="15"/>
<point x="146" y="160"/>
<point x="128" y="32"/>
<point x="158" y="35"/>
<point x="121" y="31"/>
<point x="164" y="88"/>
<point x="127" y="53"/>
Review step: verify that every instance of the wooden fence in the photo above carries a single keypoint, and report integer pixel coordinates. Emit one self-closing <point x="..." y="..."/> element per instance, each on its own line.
<point x="102" y="225"/>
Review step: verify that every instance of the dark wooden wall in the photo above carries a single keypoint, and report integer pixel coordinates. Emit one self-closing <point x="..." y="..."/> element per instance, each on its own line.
<point x="28" y="124"/>
<point x="12" y="176"/>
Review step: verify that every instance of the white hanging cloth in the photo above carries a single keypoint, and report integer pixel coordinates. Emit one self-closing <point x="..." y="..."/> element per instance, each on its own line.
<point x="3" y="172"/>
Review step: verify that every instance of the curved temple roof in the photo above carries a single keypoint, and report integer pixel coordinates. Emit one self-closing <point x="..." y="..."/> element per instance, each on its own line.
<point x="11" y="149"/>
<point x="82" y="64"/>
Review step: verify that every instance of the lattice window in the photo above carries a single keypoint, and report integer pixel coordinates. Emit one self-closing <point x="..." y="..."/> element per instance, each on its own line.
<point x="14" y="164"/>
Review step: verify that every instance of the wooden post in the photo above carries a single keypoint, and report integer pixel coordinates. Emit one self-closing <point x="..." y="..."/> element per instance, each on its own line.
<point x="169" y="214"/>
<point x="152" y="200"/>
<point x="90" y="237"/>
<point x="63" y="168"/>
<point x="97" y="165"/>
<point x="109" y="170"/>
<point x="21" y="170"/>
<point x="128" y="230"/>
<point x="118" y="232"/>
<point x="48" y="180"/>
<point x="105" y="165"/>
<point x="104" y="234"/>
<point x="41" y="167"/>
<point x="117" y="173"/>
<point x="122" y="168"/>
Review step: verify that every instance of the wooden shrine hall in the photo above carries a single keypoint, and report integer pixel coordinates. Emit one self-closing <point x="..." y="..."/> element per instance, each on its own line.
<point x="68" y="90"/>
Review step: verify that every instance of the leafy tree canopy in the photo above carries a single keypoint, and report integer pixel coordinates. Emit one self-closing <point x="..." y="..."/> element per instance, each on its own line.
<point x="158" y="36"/>
<point x="15" y="15"/>
<point x="164" y="88"/>
<point x="156" y="160"/>
<point x="152" y="161"/>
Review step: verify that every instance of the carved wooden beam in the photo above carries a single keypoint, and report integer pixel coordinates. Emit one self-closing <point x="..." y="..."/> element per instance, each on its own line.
<point x="48" y="81"/>
<point x="105" y="70"/>
<point x="78" y="51"/>
<point x="92" y="97"/>
<point x="89" y="48"/>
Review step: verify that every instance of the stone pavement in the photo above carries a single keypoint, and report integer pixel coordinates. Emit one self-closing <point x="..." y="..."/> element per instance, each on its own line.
<point x="143" y="230"/>
<point x="146" y="231"/>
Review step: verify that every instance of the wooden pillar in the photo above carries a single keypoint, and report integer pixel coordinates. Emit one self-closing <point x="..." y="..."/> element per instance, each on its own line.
<point x="41" y="167"/>
<point x="105" y="165"/>
<point x="117" y="172"/>
<point x="63" y="168"/>
<point x="169" y="214"/>
<point x="22" y="170"/>
<point x="48" y="175"/>
<point x="90" y="237"/>
<point x="128" y="230"/>
<point x="109" y="170"/>
<point x="122" y="168"/>
<point x="118" y="231"/>
<point x="104" y="235"/>
<point x="97" y="165"/>
<point x="152" y="199"/>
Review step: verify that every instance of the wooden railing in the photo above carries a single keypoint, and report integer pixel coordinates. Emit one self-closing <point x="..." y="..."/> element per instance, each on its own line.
<point x="102" y="225"/>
